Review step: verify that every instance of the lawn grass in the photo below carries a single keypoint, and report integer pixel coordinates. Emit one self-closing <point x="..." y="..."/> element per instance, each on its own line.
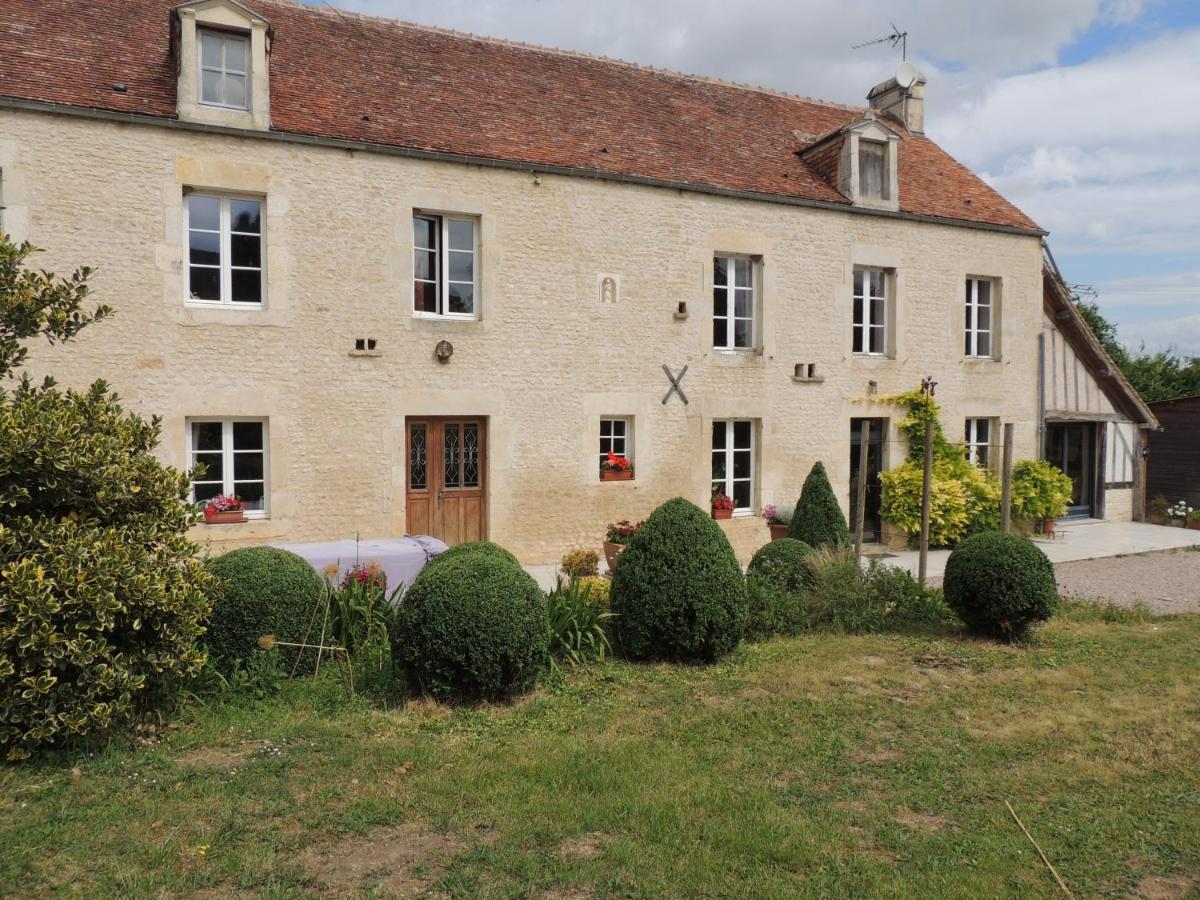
<point x="823" y="766"/>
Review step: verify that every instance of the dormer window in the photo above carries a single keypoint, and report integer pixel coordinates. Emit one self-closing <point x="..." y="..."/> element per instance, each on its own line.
<point x="224" y="69"/>
<point x="872" y="169"/>
<point x="223" y="48"/>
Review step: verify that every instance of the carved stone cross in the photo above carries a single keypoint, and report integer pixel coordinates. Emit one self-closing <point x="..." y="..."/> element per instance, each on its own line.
<point x="675" y="388"/>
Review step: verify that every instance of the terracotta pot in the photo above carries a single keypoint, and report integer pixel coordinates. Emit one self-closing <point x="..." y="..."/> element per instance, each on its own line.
<point x="1046" y="527"/>
<point x="778" y="530"/>
<point x="611" y="553"/>
<point x="1193" y="524"/>
<point x="225" y="517"/>
<point x="722" y="513"/>
<point x="616" y="475"/>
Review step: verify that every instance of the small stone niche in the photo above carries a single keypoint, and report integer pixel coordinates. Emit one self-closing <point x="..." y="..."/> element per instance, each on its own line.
<point x="366" y="347"/>
<point x="807" y="373"/>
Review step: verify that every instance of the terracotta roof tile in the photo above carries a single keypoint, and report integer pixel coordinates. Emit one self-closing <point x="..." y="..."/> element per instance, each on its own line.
<point x="345" y="76"/>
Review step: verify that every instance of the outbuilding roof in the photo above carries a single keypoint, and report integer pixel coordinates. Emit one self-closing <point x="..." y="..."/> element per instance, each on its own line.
<point x="347" y="77"/>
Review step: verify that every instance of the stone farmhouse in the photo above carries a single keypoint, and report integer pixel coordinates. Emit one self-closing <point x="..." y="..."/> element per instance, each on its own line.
<point x="383" y="278"/>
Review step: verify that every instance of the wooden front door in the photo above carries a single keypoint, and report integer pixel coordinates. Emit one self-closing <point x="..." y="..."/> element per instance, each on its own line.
<point x="446" y="491"/>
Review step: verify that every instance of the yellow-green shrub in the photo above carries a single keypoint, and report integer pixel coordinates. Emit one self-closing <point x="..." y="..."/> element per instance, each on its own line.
<point x="102" y="599"/>
<point x="1039" y="490"/>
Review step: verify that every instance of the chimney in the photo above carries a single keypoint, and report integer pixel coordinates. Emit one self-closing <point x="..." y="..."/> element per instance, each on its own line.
<point x="904" y="103"/>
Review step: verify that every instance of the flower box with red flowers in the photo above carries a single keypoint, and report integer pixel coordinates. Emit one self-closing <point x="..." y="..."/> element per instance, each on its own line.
<point x="618" y="535"/>
<point x="722" y="506"/>
<point x="224" y="510"/>
<point x="616" y="468"/>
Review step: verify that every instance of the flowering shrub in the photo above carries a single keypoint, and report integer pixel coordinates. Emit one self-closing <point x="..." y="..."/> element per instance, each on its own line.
<point x="771" y="514"/>
<point x="1180" y="510"/>
<point x="622" y="532"/>
<point x="721" y="501"/>
<point x="369" y="576"/>
<point x="615" y="463"/>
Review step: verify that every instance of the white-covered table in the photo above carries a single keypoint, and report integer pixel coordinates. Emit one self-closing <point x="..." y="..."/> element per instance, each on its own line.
<point x="401" y="559"/>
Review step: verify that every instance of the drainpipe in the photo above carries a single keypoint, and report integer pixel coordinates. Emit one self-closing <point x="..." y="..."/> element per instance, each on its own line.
<point x="1041" y="418"/>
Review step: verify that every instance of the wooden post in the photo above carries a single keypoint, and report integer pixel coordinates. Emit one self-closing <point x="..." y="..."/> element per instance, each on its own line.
<point x="926" y="500"/>
<point x="860" y="512"/>
<point x="1006" y="462"/>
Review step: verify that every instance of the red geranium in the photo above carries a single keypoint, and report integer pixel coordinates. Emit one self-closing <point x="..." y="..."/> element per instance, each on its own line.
<point x="615" y="463"/>
<point x="721" y="501"/>
<point x="222" y="503"/>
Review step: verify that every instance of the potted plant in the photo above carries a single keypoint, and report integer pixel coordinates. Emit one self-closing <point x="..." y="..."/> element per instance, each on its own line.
<point x="616" y="468"/>
<point x="224" y="510"/>
<point x="776" y="522"/>
<point x="722" y="506"/>
<point x="1180" y="513"/>
<point x="1156" y="510"/>
<point x="619" y="534"/>
<point x="1040" y="494"/>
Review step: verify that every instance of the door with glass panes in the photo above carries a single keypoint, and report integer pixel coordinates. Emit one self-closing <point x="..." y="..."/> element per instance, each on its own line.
<point x="445" y="493"/>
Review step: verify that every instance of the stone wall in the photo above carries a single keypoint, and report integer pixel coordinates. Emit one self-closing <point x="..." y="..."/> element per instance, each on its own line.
<point x="546" y="360"/>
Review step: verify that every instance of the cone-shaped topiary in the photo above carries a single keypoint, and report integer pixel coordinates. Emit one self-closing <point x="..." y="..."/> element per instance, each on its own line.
<point x="262" y="590"/>
<point x="472" y="627"/>
<point x="782" y="562"/>
<point x="1000" y="584"/>
<point x="818" y="520"/>
<point x="678" y="591"/>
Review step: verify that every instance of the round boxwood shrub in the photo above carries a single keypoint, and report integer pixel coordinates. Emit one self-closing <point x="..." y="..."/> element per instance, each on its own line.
<point x="1000" y="584"/>
<point x="782" y="563"/>
<point x="475" y="548"/>
<point x="472" y="627"/>
<point x="678" y="590"/>
<point x="262" y="590"/>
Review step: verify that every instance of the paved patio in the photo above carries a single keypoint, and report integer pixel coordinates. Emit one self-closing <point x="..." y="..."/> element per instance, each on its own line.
<point x="1085" y="539"/>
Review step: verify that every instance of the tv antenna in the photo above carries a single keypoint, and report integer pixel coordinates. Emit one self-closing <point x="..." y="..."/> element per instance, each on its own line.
<point x="897" y="38"/>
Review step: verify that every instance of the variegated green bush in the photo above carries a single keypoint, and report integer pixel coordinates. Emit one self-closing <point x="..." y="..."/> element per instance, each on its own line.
<point x="102" y="599"/>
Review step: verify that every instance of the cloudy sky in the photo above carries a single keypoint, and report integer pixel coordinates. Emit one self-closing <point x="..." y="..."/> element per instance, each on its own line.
<point x="1085" y="113"/>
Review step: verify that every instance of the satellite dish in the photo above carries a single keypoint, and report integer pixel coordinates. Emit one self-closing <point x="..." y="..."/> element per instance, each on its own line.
<point x="907" y="74"/>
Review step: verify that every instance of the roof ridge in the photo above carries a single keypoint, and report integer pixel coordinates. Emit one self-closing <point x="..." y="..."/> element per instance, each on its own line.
<point x="560" y="51"/>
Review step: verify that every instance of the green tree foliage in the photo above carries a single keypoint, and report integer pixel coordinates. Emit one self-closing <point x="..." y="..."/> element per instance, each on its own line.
<point x="1163" y="375"/>
<point x="678" y="591"/>
<point x="35" y="302"/>
<point x="102" y="599"/>
<point x="818" y="520"/>
<point x="783" y="562"/>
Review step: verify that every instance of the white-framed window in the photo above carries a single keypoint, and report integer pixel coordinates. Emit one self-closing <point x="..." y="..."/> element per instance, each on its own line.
<point x="234" y="453"/>
<point x="979" y="442"/>
<point x="871" y="312"/>
<point x="616" y="437"/>
<point x="445" y="266"/>
<point x="225" y="250"/>
<point x="734" y="300"/>
<point x="733" y="461"/>
<point x="224" y="69"/>
<point x="979" y="316"/>
<point x="872" y="168"/>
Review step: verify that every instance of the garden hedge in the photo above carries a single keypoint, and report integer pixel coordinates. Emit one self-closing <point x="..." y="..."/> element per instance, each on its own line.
<point x="262" y="590"/>
<point x="678" y="590"/>
<point x="782" y="562"/>
<point x="1000" y="585"/>
<point x="818" y="520"/>
<point x="472" y="627"/>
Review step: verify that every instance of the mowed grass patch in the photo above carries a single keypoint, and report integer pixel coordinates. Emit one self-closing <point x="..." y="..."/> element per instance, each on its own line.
<point x="816" y="766"/>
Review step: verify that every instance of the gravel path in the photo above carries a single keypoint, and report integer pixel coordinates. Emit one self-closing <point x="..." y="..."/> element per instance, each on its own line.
<point x="1167" y="582"/>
